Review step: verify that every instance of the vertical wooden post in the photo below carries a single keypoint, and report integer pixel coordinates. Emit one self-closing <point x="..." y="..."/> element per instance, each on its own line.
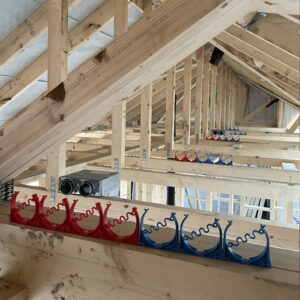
<point x="148" y="6"/>
<point x="198" y="99"/>
<point x="124" y="192"/>
<point x="149" y="189"/>
<point x="213" y="86"/>
<point x="224" y="97"/>
<point x="228" y="99"/>
<point x="242" y="206"/>
<point x="205" y="95"/>
<point x="219" y="94"/>
<point x="118" y="136"/>
<point x="288" y="211"/>
<point x="187" y="100"/>
<point x="121" y="17"/>
<point x="180" y="197"/>
<point x="233" y="100"/>
<point x="230" y="204"/>
<point x="146" y="122"/>
<point x="57" y="42"/>
<point x="208" y="201"/>
<point x="57" y="73"/>
<point x="119" y="111"/>
<point x="170" y="106"/>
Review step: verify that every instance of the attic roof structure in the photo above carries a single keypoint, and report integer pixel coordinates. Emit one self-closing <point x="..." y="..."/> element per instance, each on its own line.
<point x="185" y="107"/>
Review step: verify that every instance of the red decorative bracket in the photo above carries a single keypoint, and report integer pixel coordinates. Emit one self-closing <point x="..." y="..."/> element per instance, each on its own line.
<point x="70" y="224"/>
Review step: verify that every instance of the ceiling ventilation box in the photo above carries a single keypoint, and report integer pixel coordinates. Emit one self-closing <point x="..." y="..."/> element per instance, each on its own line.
<point x="89" y="183"/>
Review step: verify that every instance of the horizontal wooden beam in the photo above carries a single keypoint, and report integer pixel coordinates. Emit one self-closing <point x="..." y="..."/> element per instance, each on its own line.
<point x="250" y="189"/>
<point x="124" y="67"/>
<point x="210" y="170"/>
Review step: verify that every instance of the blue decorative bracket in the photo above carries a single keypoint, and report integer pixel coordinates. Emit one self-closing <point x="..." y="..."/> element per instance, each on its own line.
<point x="262" y="260"/>
<point x="144" y="239"/>
<point x="214" y="252"/>
<point x="222" y="250"/>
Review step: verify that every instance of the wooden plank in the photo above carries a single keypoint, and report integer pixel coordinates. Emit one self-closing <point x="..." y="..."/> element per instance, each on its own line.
<point x="146" y="122"/>
<point x="213" y="89"/>
<point x="258" y="174"/>
<point x="219" y="95"/>
<point x="118" y="136"/>
<point x="131" y="62"/>
<point x="77" y="35"/>
<point x="26" y="33"/>
<point x="205" y="93"/>
<point x="186" y="124"/>
<point x="198" y="98"/>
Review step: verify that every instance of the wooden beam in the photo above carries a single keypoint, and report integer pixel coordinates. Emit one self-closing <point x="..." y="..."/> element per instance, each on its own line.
<point x="27" y="32"/>
<point x="249" y="189"/>
<point x="57" y="41"/>
<point x="118" y="136"/>
<point x="248" y="72"/>
<point x="186" y="125"/>
<point x="146" y="122"/>
<point x="170" y="108"/>
<point x="224" y="97"/>
<point x="57" y="73"/>
<point x="264" y="48"/>
<point x="233" y="100"/>
<point x="198" y="98"/>
<point x="129" y="63"/>
<point x="279" y="6"/>
<point x="228" y="98"/>
<point x="120" y="18"/>
<point x="256" y="111"/>
<point x="77" y="35"/>
<point x="219" y="95"/>
<point x="210" y="170"/>
<point x="267" y="59"/>
<point x="205" y="93"/>
<point x="213" y="90"/>
<point x="294" y="123"/>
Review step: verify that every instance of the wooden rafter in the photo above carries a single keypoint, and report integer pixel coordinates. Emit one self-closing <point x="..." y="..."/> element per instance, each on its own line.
<point x="114" y="84"/>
